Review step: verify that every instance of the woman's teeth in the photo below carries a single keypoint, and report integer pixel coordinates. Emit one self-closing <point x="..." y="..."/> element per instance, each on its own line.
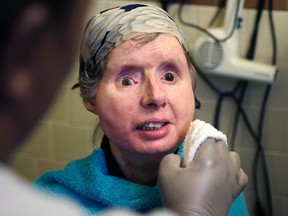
<point x="152" y="126"/>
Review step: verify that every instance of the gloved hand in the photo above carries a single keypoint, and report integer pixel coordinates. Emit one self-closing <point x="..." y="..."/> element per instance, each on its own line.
<point x="206" y="186"/>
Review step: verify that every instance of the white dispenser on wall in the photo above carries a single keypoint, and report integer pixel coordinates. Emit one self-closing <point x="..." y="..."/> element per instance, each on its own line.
<point x="220" y="57"/>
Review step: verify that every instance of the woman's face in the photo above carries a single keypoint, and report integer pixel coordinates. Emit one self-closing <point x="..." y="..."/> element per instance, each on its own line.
<point x="145" y="99"/>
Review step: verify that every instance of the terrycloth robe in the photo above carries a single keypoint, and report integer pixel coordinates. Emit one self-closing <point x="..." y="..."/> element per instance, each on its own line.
<point x="87" y="181"/>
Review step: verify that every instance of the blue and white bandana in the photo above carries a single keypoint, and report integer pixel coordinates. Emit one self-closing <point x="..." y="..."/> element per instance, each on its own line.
<point x="113" y="26"/>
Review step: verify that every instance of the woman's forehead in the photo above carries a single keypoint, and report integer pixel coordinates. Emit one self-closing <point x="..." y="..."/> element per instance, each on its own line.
<point x="163" y="48"/>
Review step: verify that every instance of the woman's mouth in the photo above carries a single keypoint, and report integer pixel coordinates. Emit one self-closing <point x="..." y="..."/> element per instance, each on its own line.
<point x="152" y="126"/>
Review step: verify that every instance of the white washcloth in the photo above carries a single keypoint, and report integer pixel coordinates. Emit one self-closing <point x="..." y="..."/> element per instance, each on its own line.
<point x="198" y="132"/>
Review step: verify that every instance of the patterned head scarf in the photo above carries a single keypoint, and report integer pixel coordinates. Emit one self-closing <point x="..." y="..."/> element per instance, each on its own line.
<point x="111" y="27"/>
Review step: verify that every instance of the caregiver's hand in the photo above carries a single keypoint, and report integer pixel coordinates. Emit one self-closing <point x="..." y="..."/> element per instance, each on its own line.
<point x="207" y="186"/>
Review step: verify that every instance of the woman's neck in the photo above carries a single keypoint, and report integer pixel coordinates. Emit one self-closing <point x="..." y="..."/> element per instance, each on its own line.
<point x="139" y="170"/>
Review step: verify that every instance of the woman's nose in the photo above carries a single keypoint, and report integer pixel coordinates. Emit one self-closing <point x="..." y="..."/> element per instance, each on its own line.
<point x="154" y="95"/>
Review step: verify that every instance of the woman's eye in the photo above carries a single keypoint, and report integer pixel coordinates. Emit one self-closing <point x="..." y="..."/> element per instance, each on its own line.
<point x="169" y="77"/>
<point x="126" y="81"/>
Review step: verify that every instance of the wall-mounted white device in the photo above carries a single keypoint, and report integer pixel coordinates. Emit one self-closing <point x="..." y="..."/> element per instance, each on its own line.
<point x="220" y="57"/>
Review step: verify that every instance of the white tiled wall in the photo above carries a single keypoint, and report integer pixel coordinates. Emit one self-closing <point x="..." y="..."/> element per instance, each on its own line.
<point x="65" y="133"/>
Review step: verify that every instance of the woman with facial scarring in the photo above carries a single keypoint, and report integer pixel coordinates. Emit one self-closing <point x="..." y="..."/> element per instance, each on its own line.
<point x="136" y="77"/>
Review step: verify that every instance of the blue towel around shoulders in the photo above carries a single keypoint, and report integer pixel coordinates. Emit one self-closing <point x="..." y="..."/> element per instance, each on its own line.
<point x="87" y="182"/>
